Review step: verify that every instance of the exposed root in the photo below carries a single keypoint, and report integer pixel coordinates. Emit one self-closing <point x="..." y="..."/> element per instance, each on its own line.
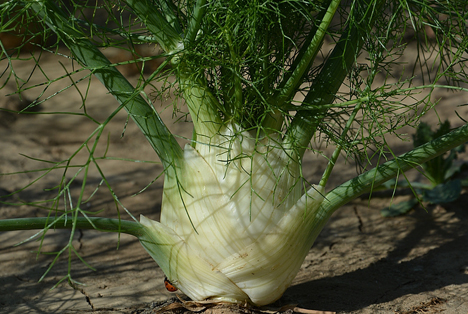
<point x="179" y="306"/>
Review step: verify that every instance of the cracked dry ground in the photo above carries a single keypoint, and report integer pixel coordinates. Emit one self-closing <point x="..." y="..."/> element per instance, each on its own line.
<point x="361" y="262"/>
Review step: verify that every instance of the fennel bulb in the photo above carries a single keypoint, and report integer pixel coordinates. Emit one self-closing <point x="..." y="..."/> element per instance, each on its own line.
<point x="235" y="224"/>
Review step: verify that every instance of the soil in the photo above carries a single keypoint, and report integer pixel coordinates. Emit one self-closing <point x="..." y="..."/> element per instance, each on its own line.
<point x="360" y="263"/>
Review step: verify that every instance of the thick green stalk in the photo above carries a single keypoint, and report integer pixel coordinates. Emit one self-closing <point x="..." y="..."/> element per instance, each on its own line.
<point x="301" y="65"/>
<point x="305" y="57"/>
<point x="332" y="75"/>
<point x="91" y="57"/>
<point x="168" y="8"/>
<point x="165" y="34"/>
<point x="202" y="105"/>
<point x="97" y="223"/>
<point x="195" y="21"/>
<point x="371" y="179"/>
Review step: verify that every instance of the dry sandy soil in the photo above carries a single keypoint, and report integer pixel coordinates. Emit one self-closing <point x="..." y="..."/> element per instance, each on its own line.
<point x="361" y="262"/>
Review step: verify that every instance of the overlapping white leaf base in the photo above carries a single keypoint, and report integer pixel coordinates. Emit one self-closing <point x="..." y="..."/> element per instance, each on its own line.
<point x="234" y="223"/>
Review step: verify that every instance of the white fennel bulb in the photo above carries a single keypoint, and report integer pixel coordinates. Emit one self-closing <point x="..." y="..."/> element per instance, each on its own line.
<point x="235" y="223"/>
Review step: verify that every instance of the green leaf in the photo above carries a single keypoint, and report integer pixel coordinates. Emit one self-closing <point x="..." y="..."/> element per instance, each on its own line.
<point x="399" y="208"/>
<point x="453" y="170"/>
<point x="443" y="193"/>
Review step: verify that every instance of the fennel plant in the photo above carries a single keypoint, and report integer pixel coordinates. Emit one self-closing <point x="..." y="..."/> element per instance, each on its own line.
<point x="261" y="81"/>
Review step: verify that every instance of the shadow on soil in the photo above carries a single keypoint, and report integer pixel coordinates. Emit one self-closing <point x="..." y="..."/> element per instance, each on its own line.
<point x="445" y="263"/>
